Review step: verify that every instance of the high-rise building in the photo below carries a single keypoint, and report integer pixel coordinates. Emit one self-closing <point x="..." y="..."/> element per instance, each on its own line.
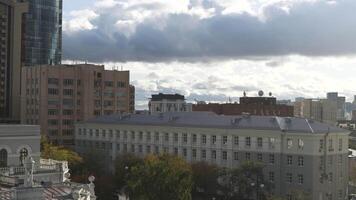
<point x="56" y="97"/>
<point x="43" y="33"/>
<point x="11" y="16"/>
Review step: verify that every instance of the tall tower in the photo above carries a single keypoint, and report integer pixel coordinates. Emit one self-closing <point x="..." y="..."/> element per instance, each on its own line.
<point x="11" y="15"/>
<point x="43" y="33"/>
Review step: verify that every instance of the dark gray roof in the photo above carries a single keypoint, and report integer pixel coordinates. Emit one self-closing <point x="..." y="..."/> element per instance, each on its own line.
<point x="209" y="119"/>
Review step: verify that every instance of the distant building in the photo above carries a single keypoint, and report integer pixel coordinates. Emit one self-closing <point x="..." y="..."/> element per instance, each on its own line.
<point x="132" y="99"/>
<point x="56" y="97"/>
<point x="160" y="103"/>
<point x="253" y="105"/>
<point x="24" y="175"/>
<point x="328" y="110"/>
<point x="11" y="16"/>
<point x="298" y="154"/>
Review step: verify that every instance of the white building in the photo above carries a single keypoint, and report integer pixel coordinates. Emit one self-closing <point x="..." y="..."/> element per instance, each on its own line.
<point x="298" y="154"/>
<point x="160" y="103"/>
<point x="24" y="175"/>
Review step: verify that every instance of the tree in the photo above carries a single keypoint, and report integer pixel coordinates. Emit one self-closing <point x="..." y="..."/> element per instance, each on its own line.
<point x="244" y="182"/>
<point x="160" y="178"/>
<point x="205" y="178"/>
<point x="49" y="151"/>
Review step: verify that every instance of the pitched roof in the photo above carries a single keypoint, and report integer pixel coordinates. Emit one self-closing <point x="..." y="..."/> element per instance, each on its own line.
<point x="211" y="120"/>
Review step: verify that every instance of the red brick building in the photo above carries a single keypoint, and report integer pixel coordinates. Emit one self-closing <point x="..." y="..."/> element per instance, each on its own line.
<point x="252" y="105"/>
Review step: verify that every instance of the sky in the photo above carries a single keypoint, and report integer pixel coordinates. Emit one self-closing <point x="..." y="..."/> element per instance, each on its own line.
<point x="214" y="50"/>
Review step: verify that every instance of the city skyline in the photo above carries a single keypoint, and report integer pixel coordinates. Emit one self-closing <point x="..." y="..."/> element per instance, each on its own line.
<point x="295" y="50"/>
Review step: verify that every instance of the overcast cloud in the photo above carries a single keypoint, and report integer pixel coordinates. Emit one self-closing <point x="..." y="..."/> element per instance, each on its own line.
<point x="154" y="31"/>
<point x="216" y="49"/>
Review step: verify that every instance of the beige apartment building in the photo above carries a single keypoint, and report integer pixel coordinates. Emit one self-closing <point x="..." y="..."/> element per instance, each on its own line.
<point x="56" y="97"/>
<point x="11" y="15"/>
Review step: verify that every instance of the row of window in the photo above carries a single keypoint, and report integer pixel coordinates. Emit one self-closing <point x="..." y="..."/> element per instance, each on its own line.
<point x="55" y="122"/>
<point x="175" y="137"/>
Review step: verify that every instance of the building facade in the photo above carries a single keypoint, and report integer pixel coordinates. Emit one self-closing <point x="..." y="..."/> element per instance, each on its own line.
<point x="11" y="16"/>
<point x="132" y="99"/>
<point x="160" y="103"/>
<point x="43" y="33"/>
<point x="253" y="105"/>
<point x="298" y="154"/>
<point x="24" y="175"/>
<point x="56" y="97"/>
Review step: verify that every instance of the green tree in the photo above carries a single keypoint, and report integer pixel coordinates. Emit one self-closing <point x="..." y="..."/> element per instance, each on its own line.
<point x="205" y="178"/>
<point x="160" y="178"/>
<point x="244" y="182"/>
<point x="49" y="151"/>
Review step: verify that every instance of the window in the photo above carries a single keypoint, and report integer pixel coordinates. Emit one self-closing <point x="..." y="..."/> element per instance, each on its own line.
<point x="67" y="112"/>
<point x="125" y="135"/>
<point x="156" y="149"/>
<point x="248" y="141"/>
<point x="271" y="158"/>
<point x="185" y="152"/>
<point x="3" y="158"/>
<point x="330" y="177"/>
<point x="259" y="157"/>
<point x="166" y="137"/>
<point x="248" y="156"/>
<point x="140" y="148"/>
<point x="53" y="81"/>
<point x="271" y="177"/>
<point x="156" y="136"/>
<point x="68" y="82"/>
<point x="68" y="122"/>
<point x="132" y="148"/>
<point x="321" y="145"/>
<point x="213" y="139"/>
<point x="300" y="143"/>
<point x="194" y="153"/>
<point x="340" y="159"/>
<point x="340" y="144"/>
<point x="194" y="138"/>
<point x="330" y="148"/>
<point x="224" y="140"/>
<point x="203" y="139"/>
<point x="140" y="135"/>
<point x="53" y="112"/>
<point x="68" y="102"/>
<point x="289" y="177"/>
<point x="259" y="142"/>
<point x="52" y="122"/>
<point x="224" y="155"/>
<point x="289" y="143"/>
<point x="109" y="84"/>
<point x="148" y="149"/>
<point x="121" y="84"/>
<point x="185" y="138"/>
<point x="236" y="140"/>
<point x="271" y="143"/>
<point x="213" y="154"/>
<point x="175" y="137"/>
<point x="300" y="179"/>
<point x="289" y="160"/>
<point x="236" y="155"/>
<point x="52" y="91"/>
<point x="176" y="151"/>
<point x="300" y="161"/>
<point x="203" y="154"/>
<point x="68" y="92"/>
<point x="330" y="160"/>
<point x="148" y="136"/>
<point x="133" y="136"/>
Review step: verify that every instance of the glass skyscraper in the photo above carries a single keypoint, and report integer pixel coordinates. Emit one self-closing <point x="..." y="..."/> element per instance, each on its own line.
<point x="43" y="33"/>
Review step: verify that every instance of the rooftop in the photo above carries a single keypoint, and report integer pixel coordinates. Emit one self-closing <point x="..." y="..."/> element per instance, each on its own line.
<point x="211" y="120"/>
<point x="161" y="96"/>
<point x="19" y="130"/>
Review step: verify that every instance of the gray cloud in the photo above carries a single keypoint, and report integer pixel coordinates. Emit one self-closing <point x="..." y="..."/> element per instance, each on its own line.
<point x="310" y="29"/>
